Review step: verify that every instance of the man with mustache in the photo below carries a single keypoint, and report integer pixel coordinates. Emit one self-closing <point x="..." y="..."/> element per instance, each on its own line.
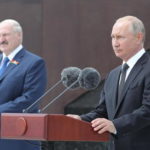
<point x="124" y="108"/>
<point x="22" y="78"/>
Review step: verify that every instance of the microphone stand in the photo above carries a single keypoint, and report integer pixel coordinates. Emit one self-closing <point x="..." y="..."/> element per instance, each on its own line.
<point x="54" y="99"/>
<point x="39" y="99"/>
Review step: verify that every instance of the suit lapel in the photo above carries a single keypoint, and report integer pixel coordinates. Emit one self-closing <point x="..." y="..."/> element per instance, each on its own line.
<point x="115" y="88"/>
<point x="133" y="74"/>
<point x="12" y="65"/>
<point x="113" y="92"/>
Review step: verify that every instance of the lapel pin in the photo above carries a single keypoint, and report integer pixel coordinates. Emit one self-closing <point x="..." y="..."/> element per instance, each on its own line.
<point x="14" y="62"/>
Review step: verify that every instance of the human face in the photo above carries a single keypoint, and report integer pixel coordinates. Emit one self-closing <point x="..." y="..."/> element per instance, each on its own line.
<point x="124" y="42"/>
<point x="9" y="39"/>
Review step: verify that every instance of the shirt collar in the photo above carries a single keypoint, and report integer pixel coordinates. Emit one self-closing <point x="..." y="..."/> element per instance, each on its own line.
<point x="132" y="61"/>
<point x="13" y="53"/>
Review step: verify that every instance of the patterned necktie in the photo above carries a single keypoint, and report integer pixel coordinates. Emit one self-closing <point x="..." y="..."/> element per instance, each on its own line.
<point x="4" y="65"/>
<point x="122" y="80"/>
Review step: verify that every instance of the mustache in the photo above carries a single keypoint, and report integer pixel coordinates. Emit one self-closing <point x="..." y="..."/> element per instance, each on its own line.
<point x="3" y="42"/>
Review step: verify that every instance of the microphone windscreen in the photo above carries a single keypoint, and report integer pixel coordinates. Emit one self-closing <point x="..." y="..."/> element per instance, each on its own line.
<point x="89" y="78"/>
<point x="69" y="76"/>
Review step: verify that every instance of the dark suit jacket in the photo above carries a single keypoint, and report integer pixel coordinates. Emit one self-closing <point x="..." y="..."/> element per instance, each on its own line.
<point x="131" y="116"/>
<point x="23" y="82"/>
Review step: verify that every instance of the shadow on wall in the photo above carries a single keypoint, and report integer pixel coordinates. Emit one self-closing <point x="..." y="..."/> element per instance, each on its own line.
<point x="148" y="50"/>
<point x="85" y="102"/>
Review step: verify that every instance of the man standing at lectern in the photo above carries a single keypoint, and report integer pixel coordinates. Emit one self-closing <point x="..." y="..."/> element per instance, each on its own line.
<point x="22" y="78"/>
<point x="124" y="108"/>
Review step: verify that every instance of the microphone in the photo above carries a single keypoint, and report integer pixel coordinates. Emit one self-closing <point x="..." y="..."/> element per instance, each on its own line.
<point x="68" y="77"/>
<point x="72" y="78"/>
<point x="89" y="78"/>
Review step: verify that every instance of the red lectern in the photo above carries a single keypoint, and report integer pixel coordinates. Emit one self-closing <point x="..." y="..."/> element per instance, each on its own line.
<point x="46" y="127"/>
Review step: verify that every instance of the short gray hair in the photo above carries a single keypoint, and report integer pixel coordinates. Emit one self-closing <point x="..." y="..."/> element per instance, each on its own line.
<point x="16" y="25"/>
<point x="136" y="24"/>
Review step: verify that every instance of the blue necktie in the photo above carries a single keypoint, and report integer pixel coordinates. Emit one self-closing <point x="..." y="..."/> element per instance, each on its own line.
<point x="4" y="65"/>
